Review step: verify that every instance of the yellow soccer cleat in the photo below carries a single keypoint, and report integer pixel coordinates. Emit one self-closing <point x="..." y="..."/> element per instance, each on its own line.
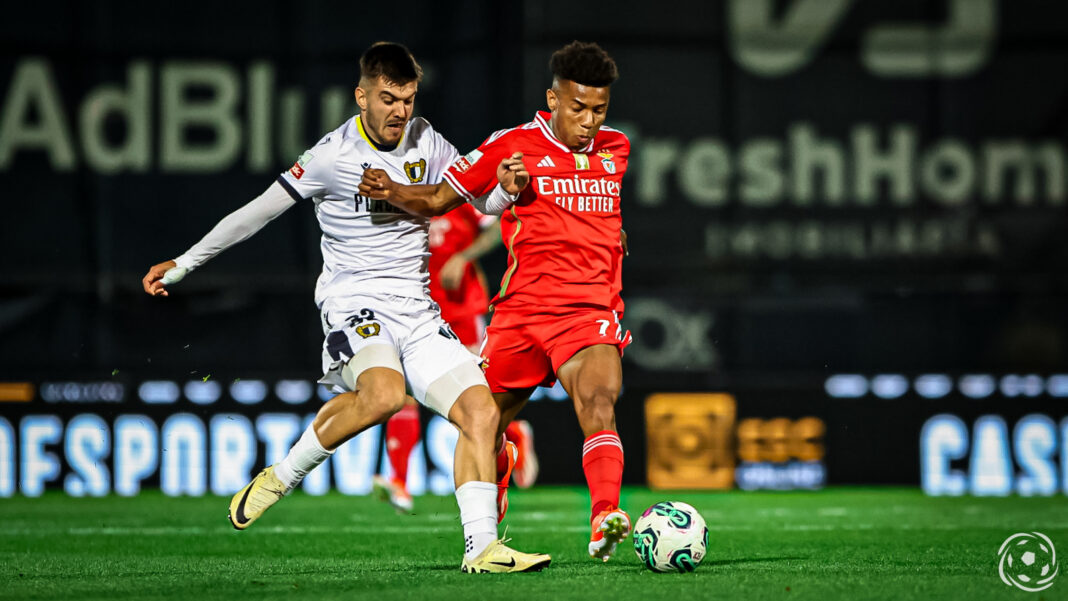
<point x="250" y="502"/>
<point x="500" y="558"/>
<point x="609" y="528"/>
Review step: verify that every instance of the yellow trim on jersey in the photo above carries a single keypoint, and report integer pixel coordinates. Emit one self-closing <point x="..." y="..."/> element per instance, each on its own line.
<point x="366" y="138"/>
<point x="511" y="251"/>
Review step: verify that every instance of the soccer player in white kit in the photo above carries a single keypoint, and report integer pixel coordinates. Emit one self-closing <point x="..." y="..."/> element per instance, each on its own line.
<point x="379" y="321"/>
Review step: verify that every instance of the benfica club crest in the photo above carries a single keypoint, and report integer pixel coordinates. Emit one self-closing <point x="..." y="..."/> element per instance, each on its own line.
<point x="607" y="162"/>
<point x="415" y="171"/>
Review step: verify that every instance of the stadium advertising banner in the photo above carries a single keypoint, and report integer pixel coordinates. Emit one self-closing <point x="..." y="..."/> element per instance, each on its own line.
<point x="195" y="437"/>
<point x="970" y="434"/>
<point x="976" y="434"/>
<point x="202" y="436"/>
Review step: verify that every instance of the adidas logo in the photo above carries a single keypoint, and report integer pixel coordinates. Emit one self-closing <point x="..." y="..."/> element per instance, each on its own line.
<point x="546" y="162"/>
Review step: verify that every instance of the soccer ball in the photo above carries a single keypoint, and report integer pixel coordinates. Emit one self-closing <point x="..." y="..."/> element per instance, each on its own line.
<point x="671" y="537"/>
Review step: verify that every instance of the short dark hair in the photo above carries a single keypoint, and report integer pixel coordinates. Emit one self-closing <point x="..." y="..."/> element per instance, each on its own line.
<point x="584" y="63"/>
<point x="391" y="61"/>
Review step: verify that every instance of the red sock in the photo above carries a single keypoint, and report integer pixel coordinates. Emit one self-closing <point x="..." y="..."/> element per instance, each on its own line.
<point x="502" y="459"/>
<point x="402" y="432"/>
<point x="514" y="434"/>
<point x="602" y="460"/>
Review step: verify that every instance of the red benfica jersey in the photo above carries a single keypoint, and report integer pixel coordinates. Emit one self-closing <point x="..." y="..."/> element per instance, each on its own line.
<point x="562" y="234"/>
<point x="450" y="234"/>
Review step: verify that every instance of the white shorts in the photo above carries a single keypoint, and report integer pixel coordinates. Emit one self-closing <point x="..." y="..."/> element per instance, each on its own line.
<point x="425" y="346"/>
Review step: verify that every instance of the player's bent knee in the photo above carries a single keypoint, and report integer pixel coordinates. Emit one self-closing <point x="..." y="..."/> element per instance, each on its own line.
<point x="442" y="393"/>
<point x="375" y="355"/>
<point x="599" y="396"/>
<point x="383" y="401"/>
<point x="475" y="413"/>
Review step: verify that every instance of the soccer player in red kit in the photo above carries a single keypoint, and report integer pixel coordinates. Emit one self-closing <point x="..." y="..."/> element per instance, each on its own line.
<point x="457" y="240"/>
<point x="557" y="313"/>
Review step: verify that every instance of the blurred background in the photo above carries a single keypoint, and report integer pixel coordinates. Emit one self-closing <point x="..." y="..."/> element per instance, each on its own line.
<point x="846" y="218"/>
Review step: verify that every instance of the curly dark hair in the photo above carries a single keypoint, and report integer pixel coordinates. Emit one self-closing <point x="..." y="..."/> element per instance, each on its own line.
<point x="392" y="61"/>
<point x="584" y="63"/>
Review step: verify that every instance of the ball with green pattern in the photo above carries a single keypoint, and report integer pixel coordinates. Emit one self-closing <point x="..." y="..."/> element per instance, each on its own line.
<point x="671" y="537"/>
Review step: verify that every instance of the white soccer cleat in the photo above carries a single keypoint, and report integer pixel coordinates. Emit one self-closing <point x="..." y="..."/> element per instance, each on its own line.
<point x="394" y="493"/>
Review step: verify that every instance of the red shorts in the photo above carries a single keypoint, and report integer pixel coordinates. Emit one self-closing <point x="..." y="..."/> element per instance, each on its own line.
<point x="525" y="349"/>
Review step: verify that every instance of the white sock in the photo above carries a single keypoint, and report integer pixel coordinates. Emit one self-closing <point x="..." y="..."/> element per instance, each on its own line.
<point x="305" y="456"/>
<point x="478" y="513"/>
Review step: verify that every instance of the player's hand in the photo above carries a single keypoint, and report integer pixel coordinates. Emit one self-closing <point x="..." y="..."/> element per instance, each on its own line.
<point x="513" y="174"/>
<point x="452" y="272"/>
<point x="623" y="242"/>
<point x="376" y="184"/>
<point x="151" y="281"/>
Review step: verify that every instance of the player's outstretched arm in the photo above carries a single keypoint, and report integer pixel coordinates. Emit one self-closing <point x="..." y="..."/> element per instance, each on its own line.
<point x="427" y="200"/>
<point x="235" y="227"/>
<point x="438" y="199"/>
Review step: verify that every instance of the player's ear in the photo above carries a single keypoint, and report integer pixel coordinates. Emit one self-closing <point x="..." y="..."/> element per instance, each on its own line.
<point x="550" y="99"/>
<point x="361" y="98"/>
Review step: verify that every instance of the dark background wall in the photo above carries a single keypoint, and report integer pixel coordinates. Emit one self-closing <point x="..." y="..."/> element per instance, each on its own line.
<point x="818" y="187"/>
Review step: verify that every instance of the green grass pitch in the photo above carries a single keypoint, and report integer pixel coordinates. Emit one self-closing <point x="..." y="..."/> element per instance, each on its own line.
<point x="842" y="543"/>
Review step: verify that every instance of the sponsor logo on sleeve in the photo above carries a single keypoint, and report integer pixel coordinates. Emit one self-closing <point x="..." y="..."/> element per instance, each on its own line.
<point x="298" y="168"/>
<point x="465" y="162"/>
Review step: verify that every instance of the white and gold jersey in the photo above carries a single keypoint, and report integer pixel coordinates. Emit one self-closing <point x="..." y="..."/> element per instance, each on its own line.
<point x="369" y="246"/>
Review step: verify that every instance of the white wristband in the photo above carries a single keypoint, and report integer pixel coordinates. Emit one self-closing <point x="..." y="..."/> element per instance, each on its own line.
<point x="496" y="202"/>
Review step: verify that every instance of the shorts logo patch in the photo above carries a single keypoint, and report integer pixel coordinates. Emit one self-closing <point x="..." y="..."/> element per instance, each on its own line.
<point x="368" y="329"/>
